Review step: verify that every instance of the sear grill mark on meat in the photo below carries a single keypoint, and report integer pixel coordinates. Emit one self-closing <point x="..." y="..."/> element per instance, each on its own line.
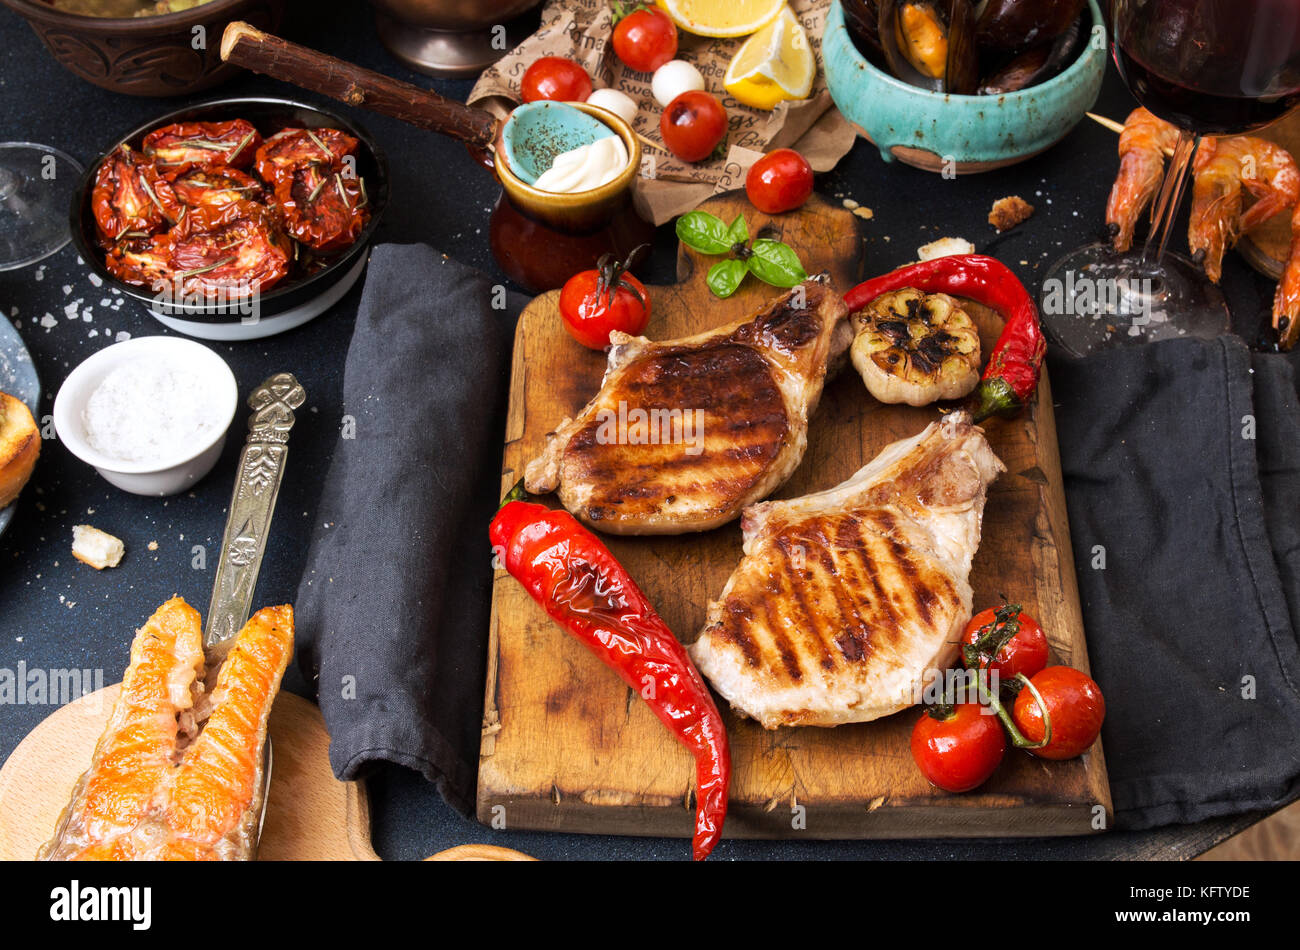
<point x="846" y="598"/>
<point x="683" y="434"/>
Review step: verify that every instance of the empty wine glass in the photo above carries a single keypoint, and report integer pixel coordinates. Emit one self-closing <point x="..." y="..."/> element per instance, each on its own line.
<point x="36" y="187"/>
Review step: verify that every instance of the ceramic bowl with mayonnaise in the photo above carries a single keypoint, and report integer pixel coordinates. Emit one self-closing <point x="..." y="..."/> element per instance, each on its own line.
<point x="150" y="414"/>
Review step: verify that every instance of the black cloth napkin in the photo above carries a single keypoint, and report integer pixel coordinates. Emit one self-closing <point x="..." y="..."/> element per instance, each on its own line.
<point x="1182" y="475"/>
<point x="393" y="605"/>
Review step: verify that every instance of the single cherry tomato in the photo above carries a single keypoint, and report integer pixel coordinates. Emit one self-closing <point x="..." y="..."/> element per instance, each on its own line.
<point x="1004" y="640"/>
<point x="645" y="39"/>
<point x="780" y="181"/>
<point x="556" y="78"/>
<point x="693" y="125"/>
<point x="594" y="302"/>
<point x="1075" y="704"/>
<point x="959" y="749"/>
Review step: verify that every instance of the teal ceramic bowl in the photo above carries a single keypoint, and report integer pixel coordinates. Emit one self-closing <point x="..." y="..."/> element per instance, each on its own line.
<point x="965" y="134"/>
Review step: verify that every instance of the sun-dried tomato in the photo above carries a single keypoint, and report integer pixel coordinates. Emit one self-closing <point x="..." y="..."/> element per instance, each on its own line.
<point x="143" y="261"/>
<point x="287" y="151"/>
<point x="130" y="198"/>
<point x="178" y="148"/>
<point x="323" y="208"/>
<point x="232" y="250"/>
<point x="217" y="187"/>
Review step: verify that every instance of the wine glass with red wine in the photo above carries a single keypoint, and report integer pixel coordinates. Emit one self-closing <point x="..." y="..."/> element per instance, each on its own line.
<point x="1208" y="67"/>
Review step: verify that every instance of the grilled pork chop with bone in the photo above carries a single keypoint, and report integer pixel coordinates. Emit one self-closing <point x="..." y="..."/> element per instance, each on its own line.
<point x="683" y="434"/>
<point x="846" y="598"/>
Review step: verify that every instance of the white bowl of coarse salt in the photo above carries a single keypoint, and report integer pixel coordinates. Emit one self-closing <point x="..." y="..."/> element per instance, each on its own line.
<point x="150" y="414"/>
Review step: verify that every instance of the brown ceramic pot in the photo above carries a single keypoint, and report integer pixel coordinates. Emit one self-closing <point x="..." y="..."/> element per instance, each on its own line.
<point x="166" y="55"/>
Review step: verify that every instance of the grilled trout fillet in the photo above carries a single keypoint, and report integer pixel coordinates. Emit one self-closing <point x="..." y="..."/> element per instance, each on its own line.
<point x="844" y="599"/>
<point x="177" y="774"/>
<point x="683" y="434"/>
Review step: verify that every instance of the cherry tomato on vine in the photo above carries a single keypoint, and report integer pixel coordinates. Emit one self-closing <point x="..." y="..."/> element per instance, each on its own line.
<point x="556" y="78"/>
<point x="1004" y="640"/>
<point x="693" y="125"/>
<point x="780" y="181"/>
<point x="645" y="39"/>
<point x="1074" y="702"/>
<point x="594" y="302"/>
<point x="960" y="749"/>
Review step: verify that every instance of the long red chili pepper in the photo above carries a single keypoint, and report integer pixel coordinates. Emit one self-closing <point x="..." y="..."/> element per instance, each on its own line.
<point x="586" y="591"/>
<point x="1011" y="375"/>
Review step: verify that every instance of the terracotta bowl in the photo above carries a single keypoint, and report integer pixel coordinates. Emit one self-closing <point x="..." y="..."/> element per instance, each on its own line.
<point x="147" y="56"/>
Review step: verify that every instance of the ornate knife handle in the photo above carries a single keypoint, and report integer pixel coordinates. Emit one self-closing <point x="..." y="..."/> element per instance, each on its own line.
<point x="257" y="484"/>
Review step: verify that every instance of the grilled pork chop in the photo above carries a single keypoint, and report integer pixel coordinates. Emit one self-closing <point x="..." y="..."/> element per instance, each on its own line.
<point x="683" y="434"/>
<point x="846" y="598"/>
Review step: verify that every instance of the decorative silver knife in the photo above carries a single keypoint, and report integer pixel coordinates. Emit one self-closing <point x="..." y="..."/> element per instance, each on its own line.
<point x="252" y="504"/>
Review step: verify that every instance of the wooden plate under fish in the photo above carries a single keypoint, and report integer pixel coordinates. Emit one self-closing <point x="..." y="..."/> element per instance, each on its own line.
<point x="310" y="815"/>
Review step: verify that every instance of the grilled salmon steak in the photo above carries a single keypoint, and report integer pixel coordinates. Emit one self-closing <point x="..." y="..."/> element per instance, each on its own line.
<point x="846" y="599"/>
<point x="683" y="434"/>
<point x="178" y="772"/>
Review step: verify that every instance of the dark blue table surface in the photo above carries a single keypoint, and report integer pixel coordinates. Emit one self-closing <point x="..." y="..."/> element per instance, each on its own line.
<point x="56" y="613"/>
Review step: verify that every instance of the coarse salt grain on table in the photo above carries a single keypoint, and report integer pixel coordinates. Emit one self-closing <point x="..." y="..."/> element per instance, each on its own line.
<point x="144" y="413"/>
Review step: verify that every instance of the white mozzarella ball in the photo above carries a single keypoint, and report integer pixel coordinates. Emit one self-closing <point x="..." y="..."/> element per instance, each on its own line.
<point x="674" y="78"/>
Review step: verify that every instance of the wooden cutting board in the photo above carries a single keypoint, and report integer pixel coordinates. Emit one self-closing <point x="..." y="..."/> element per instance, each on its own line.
<point x="567" y="746"/>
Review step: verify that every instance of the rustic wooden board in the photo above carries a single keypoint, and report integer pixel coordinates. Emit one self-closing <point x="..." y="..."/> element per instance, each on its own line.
<point x="567" y="746"/>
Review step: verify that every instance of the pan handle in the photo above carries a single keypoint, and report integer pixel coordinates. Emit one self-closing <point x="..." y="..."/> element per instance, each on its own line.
<point x="245" y="45"/>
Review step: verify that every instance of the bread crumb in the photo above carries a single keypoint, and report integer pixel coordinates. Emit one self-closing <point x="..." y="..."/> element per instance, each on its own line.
<point x="944" y="247"/>
<point x="850" y="204"/>
<point x="97" y="548"/>
<point x="866" y="214"/>
<point x="153" y="545"/>
<point x="1009" y="211"/>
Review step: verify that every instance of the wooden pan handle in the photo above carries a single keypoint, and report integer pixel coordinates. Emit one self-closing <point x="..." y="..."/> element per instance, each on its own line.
<point x="245" y="45"/>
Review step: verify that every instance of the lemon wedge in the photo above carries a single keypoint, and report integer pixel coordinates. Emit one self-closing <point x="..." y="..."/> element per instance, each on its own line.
<point x="773" y="65"/>
<point x="722" y="17"/>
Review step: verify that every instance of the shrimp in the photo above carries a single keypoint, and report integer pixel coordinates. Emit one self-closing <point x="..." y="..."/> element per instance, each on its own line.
<point x="1286" y="301"/>
<point x="1142" y="147"/>
<point x="1221" y="169"/>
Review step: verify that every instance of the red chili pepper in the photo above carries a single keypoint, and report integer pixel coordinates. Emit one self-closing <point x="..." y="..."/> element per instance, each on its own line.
<point x="1011" y="375"/>
<point x="586" y="591"/>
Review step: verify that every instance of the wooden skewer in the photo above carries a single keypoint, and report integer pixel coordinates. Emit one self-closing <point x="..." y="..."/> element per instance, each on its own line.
<point x="1117" y="127"/>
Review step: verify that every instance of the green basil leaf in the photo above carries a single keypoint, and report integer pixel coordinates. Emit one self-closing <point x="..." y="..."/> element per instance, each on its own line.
<point x="703" y="232"/>
<point x="776" y="264"/>
<point x="738" y="233"/>
<point x="725" y="276"/>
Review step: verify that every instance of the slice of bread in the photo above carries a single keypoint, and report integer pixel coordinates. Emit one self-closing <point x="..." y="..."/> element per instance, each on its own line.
<point x="97" y="548"/>
<point x="20" y="444"/>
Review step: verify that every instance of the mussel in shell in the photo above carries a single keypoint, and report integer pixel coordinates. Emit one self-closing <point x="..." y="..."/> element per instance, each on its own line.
<point x="968" y="47"/>
<point x="863" y="20"/>
<point x="1033" y="65"/>
<point x="1010" y="26"/>
<point x="931" y="43"/>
